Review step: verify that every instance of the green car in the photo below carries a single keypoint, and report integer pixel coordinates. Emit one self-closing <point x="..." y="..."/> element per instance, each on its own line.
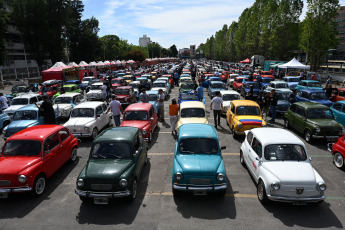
<point x="70" y="88"/>
<point x="313" y="120"/>
<point x="116" y="160"/>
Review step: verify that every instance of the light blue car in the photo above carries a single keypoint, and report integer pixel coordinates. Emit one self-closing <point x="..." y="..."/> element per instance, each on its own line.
<point x="23" y="118"/>
<point x="313" y="95"/>
<point x="308" y="84"/>
<point x="4" y="119"/>
<point x="338" y="109"/>
<point x="291" y="81"/>
<point x="198" y="163"/>
<point x="153" y="97"/>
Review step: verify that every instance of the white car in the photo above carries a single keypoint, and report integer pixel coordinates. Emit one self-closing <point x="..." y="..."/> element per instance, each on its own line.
<point x="279" y="164"/>
<point x="278" y="85"/>
<point x="228" y="96"/>
<point x="23" y="100"/>
<point x="64" y="103"/>
<point x="231" y="79"/>
<point x="135" y="85"/>
<point x="160" y="85"/>
<point x="95" y="92"/>
<point x="87" y="79"/>
<point x="88" y="118"/>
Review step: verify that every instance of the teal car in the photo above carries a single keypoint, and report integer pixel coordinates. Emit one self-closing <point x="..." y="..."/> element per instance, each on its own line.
<point x="308" y="84"/>
<point x="198" y="163"/>
<point x="338" y="109"/>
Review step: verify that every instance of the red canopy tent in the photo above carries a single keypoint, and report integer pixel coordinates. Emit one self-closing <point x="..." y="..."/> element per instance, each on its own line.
<point x="246" y="61"/>
<point x="55" y="72"/>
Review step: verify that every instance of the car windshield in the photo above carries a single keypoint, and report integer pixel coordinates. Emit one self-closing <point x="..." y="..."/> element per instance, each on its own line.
<point x="135" y="85"/>
<point x="22" y="148"/>
<point x="218" y="86"/>
<point x="320" y="113"/>
<point x="67" y="89"/>
<point x="282" y="152"/>
<point x="281" y="85"/>
<point x="20" y="101"/>
<point x="153" y="97"/>
<point x="292" y="80"/>
<point x="193" y="112"/>
<point x="254" y="84"/>
<point x="82" y="112"/>
<point x="121" y="91"/>
<point x="198" y="145"/>
<point x="231" y="97"/>
<point x="314" y="84"/>
<point x="19" y="89"/>
<point x="63" y="100"/>
<point x="283" y="96"/>
<point x="136" y="115"/>
<point x="156" y="85"/>
<point x="110" y="150"/>
<point x="189" y="97"/>
<point x="266" y="80"/>
<point x="187" y="86"/>
<point x="248" y="110"/>
<point x="87" y="79"/>
<point x="115" y="81"/>
<point x="318" y="96"/>
<point x="96" y="87"/>
<point x="239" y="80"/>
<point x="25" y="115"/>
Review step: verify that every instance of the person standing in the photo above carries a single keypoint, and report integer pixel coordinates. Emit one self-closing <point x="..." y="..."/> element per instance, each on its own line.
<point x="117" y="110"/>
<point x="176" y="79"/>
<point x="273" y="103"/>
<point x="104" y="91"/>
<point x="160" y="100"/>
<point x="3" y="102"/>
<point x="46" y="109"/>
<point x="250" y="94"/>
<point x="314" y="77"/>
<point x="261" y="100"/>
<point x="173" y="112"/>
<point x="200" y="91"/>
<point x="329" y="81"/>
<point x="217" y="106"/>
<point x="266" y="105"/>
<point x="143" y="97"/>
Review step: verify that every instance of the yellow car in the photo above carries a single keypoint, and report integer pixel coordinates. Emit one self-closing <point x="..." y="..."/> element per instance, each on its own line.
<point x="154" y="75"/>
<point x="183" y="79"/>
<point x="244" y="115"/>
<point x="128" y="78"/>
<point x="192" y="112"/>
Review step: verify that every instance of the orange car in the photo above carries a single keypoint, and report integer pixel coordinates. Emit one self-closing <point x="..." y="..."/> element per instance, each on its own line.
<point x="266" y="74"/>
<point x="225" y="75"/>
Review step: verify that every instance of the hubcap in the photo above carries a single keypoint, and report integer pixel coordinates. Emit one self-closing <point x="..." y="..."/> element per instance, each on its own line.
<point x="260" y="192"/>
<point x="94" y="133"/>
<point x="134" y="192"/>
<point x="338" y="160"/>
<point x="40" y="185"/>
<point x="74" y="154"/>
<point x="307" y="136"/>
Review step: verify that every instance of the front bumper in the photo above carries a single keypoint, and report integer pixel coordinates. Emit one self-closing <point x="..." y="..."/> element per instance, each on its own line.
<point x="296" y="199"/>
<point x="82" y="134"/>
<point x="209" y="188"/>
<point x="102" y="194"/>
<point x="15" y="189"/>
<point x="315" y="136"/>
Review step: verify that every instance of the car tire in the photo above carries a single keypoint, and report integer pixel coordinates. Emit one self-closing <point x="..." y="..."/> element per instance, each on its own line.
<point x="74" y="154"/>
<point x="286" y="123"/>
<point x="242" y="159"/>
<point x="338" y="160"/>
<point x="134" y="188"/>
<point x="150" y="137"/>
<point x="307" y="136"/>
<point x="261" y="192"/>
<point x="84" y="198"/>
<point x="6" y="123"/>
<point x="176" y="193"/>
<point x="233" y="131"/>
<point x="38" y="186"/>
<point x="94" y="133"/>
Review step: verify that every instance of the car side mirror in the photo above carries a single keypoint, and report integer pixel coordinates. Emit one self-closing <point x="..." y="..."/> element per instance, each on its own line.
<point x="223" y="147"/>
<point x="98" y="115"/>
<point x="310" y="159"/>
<point x="152" y="118"/>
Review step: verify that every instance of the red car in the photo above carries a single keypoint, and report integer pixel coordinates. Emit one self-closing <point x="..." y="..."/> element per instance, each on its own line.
<point x="237" y="83"/>
<point x="225" y="75"/>
<point x="142" y="116"/>
<point x="32" y="155"/>
<point x="266" y="74"/>
<point x="116" y="82"/>
<point x="51" y="90"/>
<point x="338" y="94"/>
<point x="338" y="152"/>
<point x="171" y="79"/>
<point x="125" y="95"/>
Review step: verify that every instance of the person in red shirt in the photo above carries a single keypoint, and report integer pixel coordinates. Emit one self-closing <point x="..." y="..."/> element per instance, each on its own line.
<point x="314" y="77"/>
<point x="271" y="71"/>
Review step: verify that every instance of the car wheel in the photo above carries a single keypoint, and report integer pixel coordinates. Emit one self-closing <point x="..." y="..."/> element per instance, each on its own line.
<point x="222" y="193"/>
<point x="286" y="123"/>
<point x="74" y="154"/>
<point x="5" y="124"/>
<point x="109" y="123"/>
<point x="176" y="193"/>
<point x="133" y="191"/>
<point x="233" y="131"/>
<point x="242" y="159"/>
<point x="261" y="192"/>
<point x="307" y="136"/>
<point x="338" y="160"/>
<point x="39" y="186"/>
<point x="84" y="198"/>
<point x="150" y="137"/>
<point x="94" y="133"/>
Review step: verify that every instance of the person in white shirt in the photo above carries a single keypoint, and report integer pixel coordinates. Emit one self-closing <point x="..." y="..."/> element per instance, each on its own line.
<point x="104" y="91"/>
<point x="3" y="102"/>
<point x="217" y="106"/>
<point x="117" y="110"/>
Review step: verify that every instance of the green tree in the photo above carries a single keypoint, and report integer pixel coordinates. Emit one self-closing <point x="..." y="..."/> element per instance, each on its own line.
<point x="231" y="45"/>
<point x="319" y="30"/>
<point x="173" y="51"/>
<point x="154" y="50"/>
<point x="110" y="47"/>
<point x="3" y="29"/>
<point x="135" y="55"/>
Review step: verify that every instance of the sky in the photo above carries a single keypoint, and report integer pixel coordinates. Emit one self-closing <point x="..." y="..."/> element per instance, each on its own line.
<point x="168" y="22"/>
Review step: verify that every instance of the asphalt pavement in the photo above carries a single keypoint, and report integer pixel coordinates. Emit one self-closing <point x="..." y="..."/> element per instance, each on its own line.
<point x="156" y="208"/>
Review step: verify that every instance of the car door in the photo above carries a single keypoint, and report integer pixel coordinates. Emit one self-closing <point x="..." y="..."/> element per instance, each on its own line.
<point x="254" y="157"/>
<point x="99" y="116"/>
<point x="52" y="158"/>
<point x="64" y="151"/>
<point x="299" y="120"/>
<point x="106" y="115"/>
<point x="336" y="109"/>
<point x="247" y="146"/>
<point x="153" y="118"/>
<point x="137" y="158"/>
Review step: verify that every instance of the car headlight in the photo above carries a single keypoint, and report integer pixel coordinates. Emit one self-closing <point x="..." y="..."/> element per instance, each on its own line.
<point x="275" y="186"/>
<point x="178" y="176"/>
<point x="86" y="128"/>
<point x="80" y="183"/>
<point x="240" y="126"/>
<point x="317" y="130"/>
<point x="123" y="183"/>
<point x="22" y="178"/>
<point x="221" y="177"/>
<point x="144" y="132"/>
<point x="321" y="187"/>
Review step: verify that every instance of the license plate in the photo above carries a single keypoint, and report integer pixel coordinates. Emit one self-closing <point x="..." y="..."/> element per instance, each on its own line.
<point x="100" y="201"/>
<point x="200" y="193"/>
<point x="299" y="203"/>
<point x="3" y="195"/>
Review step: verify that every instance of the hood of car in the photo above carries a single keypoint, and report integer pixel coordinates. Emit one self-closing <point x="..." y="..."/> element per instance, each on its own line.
<point x="325" y="123"/>
<point x="199" y="164"/>
<point x="106" y="168"/>
<point x="78" y="121"/>
<point x="13" y="108"/>
<point x="323" y="102"/>
<point x="94" y="91"/>
<point x="21" y="124"/>
<point x="138" y="124"/>
<point x="157" y="88"/>
<point x="62" y="106"/>
<point x="14" y="165"/>
<point x="291" y="171"/>
<point x="188" y="120"/>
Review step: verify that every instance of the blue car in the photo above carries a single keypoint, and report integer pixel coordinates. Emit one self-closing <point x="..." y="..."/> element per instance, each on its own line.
<point x="23" y="118"/>
<point x="283" y="103"/>
<point x="153" y="97"/>
<point x="308" y="84"/>
<point x="198" y="164"/>
<point x="246" y="88"/>
<point x="338" y="109"/>
<point x="292" y="81"/>
<point x="208" y="81"/>
<point x="214" y="87"/>
<point x="264" y="81"/>
<point x="76" y="82"/>
<point x="4" y="119"/>
<point x="188" y="97"/>
<point x="313" y="95"/>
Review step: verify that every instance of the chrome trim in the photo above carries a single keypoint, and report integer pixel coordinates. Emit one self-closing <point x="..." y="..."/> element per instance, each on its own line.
<point x="102" y="194"/>
<point x="292" y="199"/>
<point x="82" y="134"/>
<point x="16" y="189"/>
<point x="185" y="187"/>
<point x="321" y="137"/>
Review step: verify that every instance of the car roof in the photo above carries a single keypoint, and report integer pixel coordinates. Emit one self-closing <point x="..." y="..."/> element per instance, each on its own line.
<point x="279" y="81"/>
<point x="28" y="107"/>
<point x="134" y="82"/>
<point x="68" y="95"/>
<point x="340" y="102"/>
<point x="89" y="104"/>
<point x="98" y="83"/>
<point x="157" y="81"/>
<point x="250" y="82"/>
<point x="124" y="87"/>
<point x="193" y="130"/>
<point x="311" y="90"/>
<point x="223" y="92"/>
<point x="244" y="102"/>
<point x="269" y="136"/>
<point x="152" y="92"/>
<point x="139" y="106"/>
<point x="29" y="95"/>
<point x="70" y="85"/>
<point x="38" y="132"/>
<point x="309" y="81"/>
<point x="192" y="104"/>
<point x="266" y="77"/>
<point x="123" y="133"/>
<point x="308" y="105"/>
<point x="216" y="82"/>
<point x="291" y="77"/>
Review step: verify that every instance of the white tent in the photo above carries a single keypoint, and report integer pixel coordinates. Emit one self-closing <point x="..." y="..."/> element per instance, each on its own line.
<point x="293" y="64"/>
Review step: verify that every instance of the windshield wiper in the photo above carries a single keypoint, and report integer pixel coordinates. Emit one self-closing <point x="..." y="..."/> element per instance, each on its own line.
<point x="187" y="152"/>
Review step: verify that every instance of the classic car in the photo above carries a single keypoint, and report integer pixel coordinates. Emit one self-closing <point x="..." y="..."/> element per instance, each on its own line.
<point x="64" y="103"/>
<point x="313" y="95"/>
<point x="338" y="110"/>
<point x="231" y="79"/>
<point x="280" y="166"/>
<point x="313" y="120"/>
<point x="161" y="85"/>
<point x="119" y="75"/>
<point x="263" y="81"/>
<point x="171" y="79"/>
<point x="118" y="82"/>
<point x="278" y="85"/>
<point x="214" y="87"/>
<point x="338" y="94"/>
<point x="208" y="79"/>
<point x="338" y="151"/>
<point x="153" y="99"/>
<point x="4" y="119"/>
<point x="74" y="82"/>
<point x="124" y="153"/>
<point x="95" y="92"/>
<point x="184" y="79"/>
<point x="166" y="79"/>
<point x="284" y="101"/>
<point x="245" y="89"/>
<point x="88" y="118"/>
<point x="245" y="73"/>
<point x="49" y="88"/>
<point x="125" y="95"/>
<point x="70" y="88"/>
<point x="192" y="112"/>
<point x="128" y="78"/>
<point x="142" y="116"/>
<point x="198" y="165"/>
<point x="228" y="96"/>
<point x="186" y="87"/>
<point x="85" y="83"/>
<point x="33" y="155"/>
<point x="291" y="81"/>
<point x="191" y="96"/>
<point x="23" y="100"/>
<point x="237" y="83"/>
<point x="266" y="74"/>
<point x="308" y="84"/>
<point x="244" y="115"/>
<point x="135" y="85"/>
<point x="19" y="90"/>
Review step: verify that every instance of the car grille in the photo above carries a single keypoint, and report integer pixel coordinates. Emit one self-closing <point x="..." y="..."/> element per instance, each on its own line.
<point x="101" y="187"/>
<point x="199" y="181"/>
<point x="5" y="182"/>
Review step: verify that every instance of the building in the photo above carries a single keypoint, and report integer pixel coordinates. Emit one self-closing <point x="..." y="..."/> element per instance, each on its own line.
<point x="340" y="19"/>
<point x="192" y="51"/>
<point x="184" y="53"/>
<point x="144" y="41"/>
